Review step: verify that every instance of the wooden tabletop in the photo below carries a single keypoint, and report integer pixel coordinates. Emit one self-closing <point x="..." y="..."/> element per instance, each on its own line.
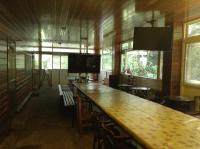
<point x="153" y="125"/>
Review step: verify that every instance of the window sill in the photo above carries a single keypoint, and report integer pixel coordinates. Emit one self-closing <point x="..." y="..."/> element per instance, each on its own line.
<point x="191" y="84"/>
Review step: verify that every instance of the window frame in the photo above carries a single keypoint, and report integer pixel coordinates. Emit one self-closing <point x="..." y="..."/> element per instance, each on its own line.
<point x="188" y="40"/>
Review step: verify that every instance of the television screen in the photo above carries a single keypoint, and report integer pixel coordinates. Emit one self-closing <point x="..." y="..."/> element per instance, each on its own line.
<point x="76" y="63"/>
<point x="93" y="63"/>
<point x="84" y="63"/>
<point x="152" y="38"/>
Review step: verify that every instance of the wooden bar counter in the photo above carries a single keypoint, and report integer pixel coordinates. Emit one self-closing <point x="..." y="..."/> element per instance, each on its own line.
<point x="153" y="125"/>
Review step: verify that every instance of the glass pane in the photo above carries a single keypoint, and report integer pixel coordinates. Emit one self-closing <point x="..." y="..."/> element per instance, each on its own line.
<point x="56" y="62"/>
<point x="66" y="50"/>
<point x="36" y="61"/>
<point x="20" y="61"/>
<point x="143" y="63"/>
<point x="123" y="62"/>
<point x="64" y="62"/>
<point x="47" y="49"/>
<point x="161" y="65"/>
<point x="125" y="46"/>
<point x="192" y="63"/>
<point x="194" y="29"/>
<point x="46" y="61"/>
<point x="106" y="62"/>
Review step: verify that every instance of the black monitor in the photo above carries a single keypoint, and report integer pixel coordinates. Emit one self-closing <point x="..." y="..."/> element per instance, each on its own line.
<point x="84" y="63"/>
<point x="153" y="38"/>
<point x="75" y="63"/>
<point x="93" y="63"/>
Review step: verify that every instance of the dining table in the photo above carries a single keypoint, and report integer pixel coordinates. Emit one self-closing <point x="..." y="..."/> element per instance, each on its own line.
<point x="152" y="125"/>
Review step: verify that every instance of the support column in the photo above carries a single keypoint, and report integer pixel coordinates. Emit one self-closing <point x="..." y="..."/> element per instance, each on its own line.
<point x="117" y="37"/>
<point x="97" y="35"/>
<point x="40" y="54"/>
<point x="172" y="60"/>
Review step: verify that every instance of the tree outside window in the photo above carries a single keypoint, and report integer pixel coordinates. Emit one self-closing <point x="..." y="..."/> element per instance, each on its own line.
<point x="143" y="63"/>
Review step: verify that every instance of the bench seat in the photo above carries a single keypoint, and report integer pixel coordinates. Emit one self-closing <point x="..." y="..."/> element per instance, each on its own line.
<point x="68" y="98"/>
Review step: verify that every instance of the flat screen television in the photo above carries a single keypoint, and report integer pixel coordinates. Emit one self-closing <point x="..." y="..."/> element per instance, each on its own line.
<point x="75" y="63"/>
<point x="153" y="38"/>
<point x="93" y="63"/>
<point x="84" y="63"/>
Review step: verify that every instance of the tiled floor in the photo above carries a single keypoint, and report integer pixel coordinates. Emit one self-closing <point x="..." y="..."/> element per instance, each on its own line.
<point x="42" y="124"/>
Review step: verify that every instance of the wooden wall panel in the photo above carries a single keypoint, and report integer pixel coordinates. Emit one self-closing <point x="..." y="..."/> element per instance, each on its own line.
<point x="4" y="100"/>
<point x="172" y="60"/>
<point x="24" y="80"/>
<point x="23" y="86"/>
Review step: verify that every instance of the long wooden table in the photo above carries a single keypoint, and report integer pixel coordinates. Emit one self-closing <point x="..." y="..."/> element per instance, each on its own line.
<point x="153" y="125"/>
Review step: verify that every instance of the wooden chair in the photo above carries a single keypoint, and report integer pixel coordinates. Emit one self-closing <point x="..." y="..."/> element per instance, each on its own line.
<point x="97" y="118"/>
<point x="83" y="112"/>
<point x="114" y="138"/>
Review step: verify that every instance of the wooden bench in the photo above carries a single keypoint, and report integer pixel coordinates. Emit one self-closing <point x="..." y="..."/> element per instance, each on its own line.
<point x="67" y="99"/>
<point x="66" y="95"/>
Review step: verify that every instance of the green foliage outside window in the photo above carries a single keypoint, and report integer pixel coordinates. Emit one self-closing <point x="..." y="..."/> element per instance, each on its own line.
<point x="142" y="63"/>
<point x="106" y="62"/>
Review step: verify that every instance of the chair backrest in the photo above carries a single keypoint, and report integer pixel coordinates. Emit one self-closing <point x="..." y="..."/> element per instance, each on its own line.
<point x="197" y="104"/>
<point x="83" y="110"/>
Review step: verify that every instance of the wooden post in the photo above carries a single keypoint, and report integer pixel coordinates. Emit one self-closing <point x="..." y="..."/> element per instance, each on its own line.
<point x="97" y="35"/>
<point x="40" y="54"/>
<point x="117" y="37"/>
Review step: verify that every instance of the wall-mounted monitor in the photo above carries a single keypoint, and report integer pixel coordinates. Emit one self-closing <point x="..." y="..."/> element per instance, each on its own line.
<point x="84" y="63"/>
<point x="75" y="63"/>
<point x="93" y="63"/>
<point x="153" y="38"/>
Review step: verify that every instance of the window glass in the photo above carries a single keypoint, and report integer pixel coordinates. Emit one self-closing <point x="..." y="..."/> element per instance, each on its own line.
<point x="46" y="61"/>
<point x="66" y="50"/>
<point x="106" y="61"/>
<point x="143" y="63"/>
<point x="56" y="62"/>
<point x="193" y="29"/>
<point x="123" y="62"/>
<point x="28" y="64"/>
<point x="20" y="61"/>
<point x="64" y="62"/>
<point x="127" y="45"/>
<point x="192" y="73"/>
<point x="161" y="65"/>
<point x="36" y="61"/>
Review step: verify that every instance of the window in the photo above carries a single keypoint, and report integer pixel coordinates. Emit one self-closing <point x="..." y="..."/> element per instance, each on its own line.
<point x="46" y="61"/>
<point x="147" y="64"/>
<point x="143" y="63"/>
<point x="106" y="59"/>
<point x="28" y="64"/>
<point x="107" y="56"/>
<point x="64" y="62"/>
<point x="193" y="29"/>
<point x="192" y="73"/>
<point x="56" y="62"/>
<point x="192" y="52"/>
<point x="36" y="61"/>
<point x="20" y="61"/>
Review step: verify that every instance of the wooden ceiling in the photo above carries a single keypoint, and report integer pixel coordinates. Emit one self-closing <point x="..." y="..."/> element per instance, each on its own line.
<point x="180" y="9"/>
<point x="25" y="19"/>
<point x="22" y="19"/>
